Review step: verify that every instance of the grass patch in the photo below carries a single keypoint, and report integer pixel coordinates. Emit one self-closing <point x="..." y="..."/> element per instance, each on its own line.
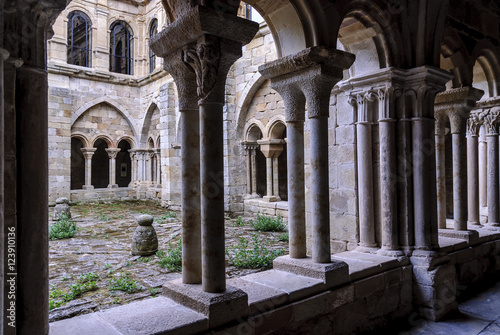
<point x="267" y="223"/>
<point x="255" y="256"/>
<point x="172" y="258"/>
<point x="238" y="222"/>
<point x="64" y="228"/>
<point x="123" y="282"/>
<point x="86" y="282"/>
<point x="283" y="237"/>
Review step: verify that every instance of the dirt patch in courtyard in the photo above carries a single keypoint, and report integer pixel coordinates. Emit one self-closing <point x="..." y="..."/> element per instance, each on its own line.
<point x="102" y="247"/>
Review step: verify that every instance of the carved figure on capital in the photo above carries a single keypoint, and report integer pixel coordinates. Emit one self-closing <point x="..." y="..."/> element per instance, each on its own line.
<point x="490" y="121"/>
<point x="472" y="129"/>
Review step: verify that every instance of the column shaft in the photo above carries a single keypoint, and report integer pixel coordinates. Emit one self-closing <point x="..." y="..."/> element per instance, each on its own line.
<point x="112" y="172"/>
<point x="320" y="198"/>
<point x="249" y="170"/>
<point x="191" y="219"/>
<point x="472" y="180"/>
<point x="424" y="181"/>
<point x="296" y="194"/>
<point x="212" y="197"/>
<point x="32" y="199"/>
<point x="388" y="206"/>
<point x="459" y="181"/>
<point x="441" y="178"/>
<point x="493" y="182"/>
<point x="483" y="172"/>
<point x="365" y="185"/>
<point x="253" y="154"/>
<point x="269" y="176"/>
<point x="88" y="171"/>
<point x="276" y="191"/>
<point x="158" y="168"/>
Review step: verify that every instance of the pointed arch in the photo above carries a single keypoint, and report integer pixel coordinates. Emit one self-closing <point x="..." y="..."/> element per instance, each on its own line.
<point x="244" y="102"/>
<point x="146" y="121"/>
<point x="115" y="104"/>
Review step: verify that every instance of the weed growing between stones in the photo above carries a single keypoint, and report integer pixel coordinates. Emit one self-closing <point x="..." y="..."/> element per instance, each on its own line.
<point x="258" y="256"/>
<point x="238" y="222"/>
<point x="123" y="282"/>
<point x="267" y="223"/>
<point x="283" y="237"/>
<point x="172" y="258"/>
<point x="154" y="291"/>
<point x="64" y="228"/>
<point x="86" y="282"/>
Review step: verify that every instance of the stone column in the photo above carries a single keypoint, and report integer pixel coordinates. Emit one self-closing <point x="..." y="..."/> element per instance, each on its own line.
<point x="271" y="150"/>
<point x="253" y="159"/>
<point x="148" y="155"/>
<point x="112" y="153"/>
<point x="490" y="121"/>
<point x="185" y="79"/>
<point x="423" y="83"/>
<point x="158" y="167"/>
<point x="472" y="171"/>
<point x="365" y="171"/>
<point x="133" y="167"/>
<point x="441" y="169"/>
<point x="308" y="76"/>
<point x="248" y="160"/>
<point x="388" y="201"/>
<point x="88" y="153"/>
<point x="210" y="54"/>
<point x="276" y="189"/>
<point x="483" y="170"/>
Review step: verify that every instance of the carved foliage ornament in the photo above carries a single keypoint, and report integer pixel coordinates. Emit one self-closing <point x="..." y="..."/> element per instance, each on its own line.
<point x="204" y="58"/>
<point x="490" y="122"/>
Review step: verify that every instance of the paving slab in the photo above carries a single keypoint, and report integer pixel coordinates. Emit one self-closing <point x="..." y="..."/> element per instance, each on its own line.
<point x="459" y="325"/>
<point x="484" y="306"/>
<point x="82" y="325"/>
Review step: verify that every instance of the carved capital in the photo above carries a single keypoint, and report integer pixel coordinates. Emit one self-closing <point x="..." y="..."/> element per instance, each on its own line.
<point x="293" y="99"/>
<point x="457" y="122"/>
<point x="472" y="129"/>
<point x="440" y="127"/>
<point x="88" y="152"/>
<point x="112" y="152"/>
<point x="490" y="122"/>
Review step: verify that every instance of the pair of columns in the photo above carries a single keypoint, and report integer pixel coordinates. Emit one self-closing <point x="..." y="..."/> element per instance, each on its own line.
<point x="306" y="79"/>
<point x="143" y="161"/>
<point x="271" y="150"/>
<point x="490" y="120"/>
<point x="199" y="66"/>
<point x="88" y="153"/>
<point x="454" y="106"/>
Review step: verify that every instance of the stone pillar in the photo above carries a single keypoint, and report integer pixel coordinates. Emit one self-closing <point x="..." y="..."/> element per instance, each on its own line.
<point x="248" y="161"/>
<point x="271" y="150"/>
<point x="253" y="159"/>
<point x="365" y="171"/>
<point x="88" y="153"/>
<point x="441" y="169"/>
<point x="490" y="121"/>
<point x="112" y="153"/>
<point x="423" y="83"/>
<point x="483" y="170"/>
<point x="308" y="76"/>
<point x="210" y="54"/>
<point x="276" y="189"/>
<point x="148" y="157"/>
<point x="388" y="200"/>
<point x="133" y="167"/>
<point x="158" y="167"/>
<point x="472" y="171"/>
<point x="185" y="79"/>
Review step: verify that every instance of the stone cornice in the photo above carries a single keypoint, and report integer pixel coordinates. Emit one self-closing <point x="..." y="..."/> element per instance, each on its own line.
<point x="373" y="80"/>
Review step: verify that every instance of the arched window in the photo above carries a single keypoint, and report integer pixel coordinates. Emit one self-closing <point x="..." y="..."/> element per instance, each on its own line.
<point x="79" y="39"/>
<point x="121" y="46"/>
<point x="153" y="30"/>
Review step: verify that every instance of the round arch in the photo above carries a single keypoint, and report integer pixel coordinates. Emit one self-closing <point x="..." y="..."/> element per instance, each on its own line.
<point x="275" y="127"/>
<point x="128" y="139"/>
<point x="250" y="129"/>
<point x="83" y="138"/>
<point x="105" y="138"/>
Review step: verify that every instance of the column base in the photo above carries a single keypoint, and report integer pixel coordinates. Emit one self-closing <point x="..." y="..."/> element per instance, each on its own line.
<point x="471" y="236"/>
<point x="332" y="274"/>
<point x="474" y="224"/>
<point x="87" y="187"/>
<point x="113" y="186"/>
<point x="219" y="308"/>
<point x="270" y="198"/>
<point x="384" y="251"/>
<point x="367" y="250"/>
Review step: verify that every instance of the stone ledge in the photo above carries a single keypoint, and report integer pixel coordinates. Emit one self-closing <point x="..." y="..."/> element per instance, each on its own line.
<point x="332" y="274"/>
<point x="471" y="236"/>
<point x="219" y="308"/>
<point x="362" y="265"/>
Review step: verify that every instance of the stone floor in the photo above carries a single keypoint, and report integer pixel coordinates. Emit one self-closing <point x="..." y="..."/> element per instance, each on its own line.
<point x="102" y="246"/>
<point x="479" y="313"/>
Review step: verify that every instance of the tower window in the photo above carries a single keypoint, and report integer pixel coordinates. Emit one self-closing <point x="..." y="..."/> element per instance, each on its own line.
<point x="153" y="30"/>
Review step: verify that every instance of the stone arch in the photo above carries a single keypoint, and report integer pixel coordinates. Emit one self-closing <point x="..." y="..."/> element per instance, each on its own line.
<point x="75" y="6"/>
<point x="123" y="167"/>
<point x="77" y="165"/>
<point x="146" y="122"/>
<point x="252" y="129"/>
<point x="247" y="95"/>
<point x="119" y="107"/>
<point x="100" y="162"/>
<point x="129" y="139"/>
<point x="275" y="127"/>
<point x="485" y="60"/>
<point x="106" y="139"/>
<point x="82" y="138"/>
